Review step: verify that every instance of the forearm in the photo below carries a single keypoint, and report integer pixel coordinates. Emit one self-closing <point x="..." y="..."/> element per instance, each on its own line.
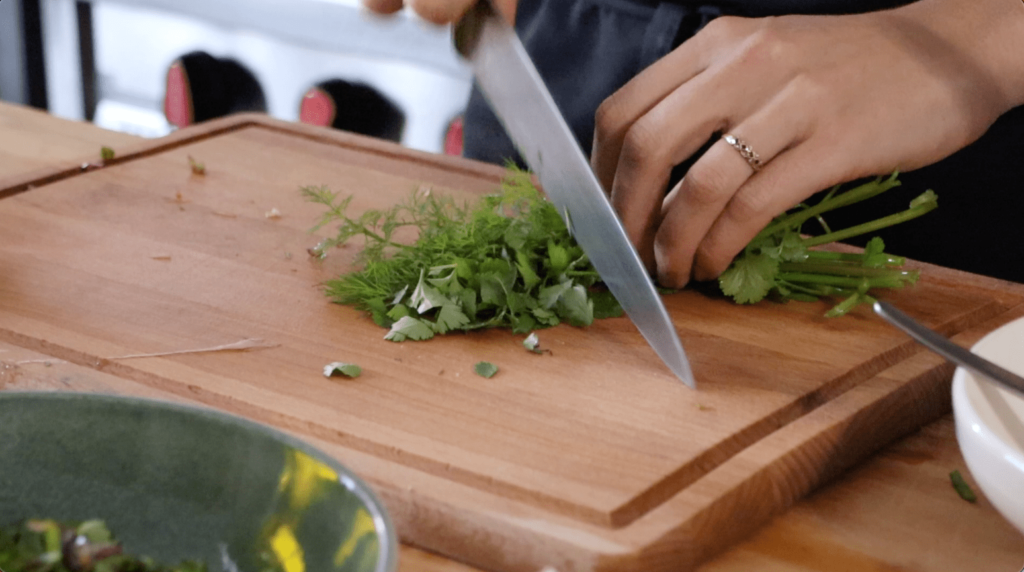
<point x="988" y="33"/>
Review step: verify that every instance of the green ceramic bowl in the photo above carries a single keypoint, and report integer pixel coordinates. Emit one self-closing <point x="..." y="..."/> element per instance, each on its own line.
<point x="182" y="483"/>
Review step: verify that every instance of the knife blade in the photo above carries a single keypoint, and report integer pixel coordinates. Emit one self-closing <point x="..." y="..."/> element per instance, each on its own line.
<point x="517" y="94"/>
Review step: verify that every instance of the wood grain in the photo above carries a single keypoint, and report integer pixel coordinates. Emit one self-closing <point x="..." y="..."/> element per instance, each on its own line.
<point x="593" y="458"/>
<point x="33" y="144"/>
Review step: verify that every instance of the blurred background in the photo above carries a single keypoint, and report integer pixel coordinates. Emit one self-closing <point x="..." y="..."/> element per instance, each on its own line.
<point x="148" y="67"/>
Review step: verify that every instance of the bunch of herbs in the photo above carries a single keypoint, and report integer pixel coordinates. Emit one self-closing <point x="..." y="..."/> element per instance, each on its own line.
<point x="506" y="261"/>
<point x="781" y="261"/>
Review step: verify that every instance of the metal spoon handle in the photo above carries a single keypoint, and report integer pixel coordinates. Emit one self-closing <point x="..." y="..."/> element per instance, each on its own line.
<point x="947" y="349"/>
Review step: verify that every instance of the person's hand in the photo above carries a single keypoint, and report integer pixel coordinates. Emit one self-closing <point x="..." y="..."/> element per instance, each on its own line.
<point x="439" y="11"/>
<point x="821" y="99"/>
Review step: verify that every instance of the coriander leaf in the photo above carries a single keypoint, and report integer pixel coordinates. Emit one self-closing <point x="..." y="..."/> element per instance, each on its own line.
<point x="344" y="369"/>
<point x="749" y="278"/>
<point x="792" y="248"/>
<point x="409" y="328"/>
<point x="485" y="369"/>
<point x="575" y="307"/>
<point x="548" y="297"/>
<point x="400" y="295"/>
<point x="425" y="297"/>
<point x="546" y="317"/>
<point x="106" y="153"/>
<point x="468" y="299"/>
<point x="519" y="302"/>
<point x="450" y="317"/>
<point x="531" y="342"/>
<point x="379" y="312"/>
<point x="605" y="305"/>
<point x="530" y="278"/>
<point x="398" y="312"/>
<point x="492" y="290"/>
<point x="522" y="323"/>
<point x="558" y="257"/>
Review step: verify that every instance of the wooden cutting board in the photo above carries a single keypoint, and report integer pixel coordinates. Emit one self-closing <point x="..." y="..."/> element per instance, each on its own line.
<point x="592" y="457"/>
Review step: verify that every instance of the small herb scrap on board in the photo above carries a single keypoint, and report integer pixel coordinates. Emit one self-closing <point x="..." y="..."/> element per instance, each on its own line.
<point x="962" y="488"/>
<point x="485" y="369"/>
<point x="509" y="261"/>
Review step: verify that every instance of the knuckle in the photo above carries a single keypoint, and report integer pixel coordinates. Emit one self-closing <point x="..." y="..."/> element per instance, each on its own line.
<point x="672" y="260"/>
<point x="723" y="28"/>
<point x="710" y="260"/>
<point x="810" y="91"/>
<point x="643" y="144"/>
<point x="433" y="11"/>
<point x="704" y="185"/>
<point x="610" y="120"/>
<point x="769" y="45"/>
<point x="749" y="207"/>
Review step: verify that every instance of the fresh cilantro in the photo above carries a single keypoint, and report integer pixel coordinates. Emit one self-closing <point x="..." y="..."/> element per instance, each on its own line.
<point x="780" y="260"/>
<point x="505" y="261"/>
<point x="409" y="328"/>
<point x="343" y="369"/>
<point x="485" y="369"/>
<point x="106" y="153"/>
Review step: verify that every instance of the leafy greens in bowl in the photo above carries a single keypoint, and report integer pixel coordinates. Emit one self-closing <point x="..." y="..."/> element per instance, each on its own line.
<point x="178" y="483"/>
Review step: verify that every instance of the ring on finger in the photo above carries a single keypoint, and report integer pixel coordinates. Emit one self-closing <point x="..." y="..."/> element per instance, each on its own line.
<point x="745" y="151"/>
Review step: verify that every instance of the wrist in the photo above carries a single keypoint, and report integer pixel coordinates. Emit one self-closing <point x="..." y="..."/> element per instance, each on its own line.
<point x="986" y="35"/>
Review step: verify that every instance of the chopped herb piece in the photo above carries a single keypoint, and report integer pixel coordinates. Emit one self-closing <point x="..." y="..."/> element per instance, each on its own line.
<point x="343" y="369"/>
<point x="485" y="369"/>
<point x="197" y="167"/>
<point x="531" y="342"/>
<point x="106" y="153"/>
<point x="962" y="488"/>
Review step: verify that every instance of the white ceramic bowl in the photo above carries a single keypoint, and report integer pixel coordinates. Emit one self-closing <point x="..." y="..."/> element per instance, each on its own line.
<point x="990" y="423"/>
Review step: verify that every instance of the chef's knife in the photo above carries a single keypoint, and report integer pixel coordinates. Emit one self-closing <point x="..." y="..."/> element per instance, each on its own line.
<point x="518" y="96"/>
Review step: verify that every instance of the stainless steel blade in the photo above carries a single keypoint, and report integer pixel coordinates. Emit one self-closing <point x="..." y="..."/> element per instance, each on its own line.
<point x="518" y="96"/>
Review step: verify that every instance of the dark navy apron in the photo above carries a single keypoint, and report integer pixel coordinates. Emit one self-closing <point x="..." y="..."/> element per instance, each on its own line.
<point x="587" y="49"/>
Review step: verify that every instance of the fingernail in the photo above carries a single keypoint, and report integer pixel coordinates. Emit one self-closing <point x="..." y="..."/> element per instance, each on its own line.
<point x="668" y="276"/>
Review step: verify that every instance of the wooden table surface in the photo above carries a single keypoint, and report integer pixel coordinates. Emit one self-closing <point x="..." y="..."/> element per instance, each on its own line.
<point x="895" y="512"/>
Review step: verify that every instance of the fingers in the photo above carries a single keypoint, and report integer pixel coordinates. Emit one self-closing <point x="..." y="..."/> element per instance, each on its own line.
<point x="713" y="188"/>
<point x="792" y="176"/>
<point x="383" y="6"/>
<point x="649" y="149"/>
<point x="620" y="112"/>
<point x="439" y="11"/>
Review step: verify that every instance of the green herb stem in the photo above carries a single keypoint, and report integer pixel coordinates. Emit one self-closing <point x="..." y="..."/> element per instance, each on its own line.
<point x="872" y="226"/>
<point x="841" y="269"/>
<point x="832" y="202"/>
<point x="844" y="281"/>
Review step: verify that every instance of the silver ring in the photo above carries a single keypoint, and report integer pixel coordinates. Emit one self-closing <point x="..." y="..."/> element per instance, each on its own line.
<point x="751" y="156"/>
